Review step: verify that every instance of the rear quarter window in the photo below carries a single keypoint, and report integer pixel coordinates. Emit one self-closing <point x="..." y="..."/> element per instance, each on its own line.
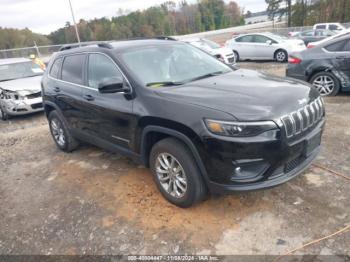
<point x="337" y="46"/>
<point x="72" y="69"/>
<point x="321" y="27"/>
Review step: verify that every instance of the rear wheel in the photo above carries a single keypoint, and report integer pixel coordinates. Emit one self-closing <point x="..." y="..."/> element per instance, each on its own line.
<point x="326" y="83"/>
<point x="61" y="134"/>
<point x="281" y="56"/>
<point x="176" y="173"/>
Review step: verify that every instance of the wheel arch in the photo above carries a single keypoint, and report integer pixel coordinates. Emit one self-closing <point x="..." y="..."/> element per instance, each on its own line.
<point x="280" y="49"/>
<point x="153" y="133"/>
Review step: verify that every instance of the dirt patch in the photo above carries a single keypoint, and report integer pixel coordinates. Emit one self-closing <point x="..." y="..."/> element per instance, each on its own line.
<point x="134" y="196"/>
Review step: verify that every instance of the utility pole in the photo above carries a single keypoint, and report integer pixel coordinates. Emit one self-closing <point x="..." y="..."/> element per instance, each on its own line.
<point x="75" y="24"/>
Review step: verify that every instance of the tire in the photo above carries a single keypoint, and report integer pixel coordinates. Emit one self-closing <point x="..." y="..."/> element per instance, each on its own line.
<point x="281" y="56"/>
<point x="188" y="186"/>
<point x="236" y="55"/>
<point x="326" y="83"/>
<point x="3" y="115"/>
<point x="61" y="134"/>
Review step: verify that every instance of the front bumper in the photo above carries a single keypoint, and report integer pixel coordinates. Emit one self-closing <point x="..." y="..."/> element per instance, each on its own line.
<point x="21" y="107"/>
<point x="281" y="160"/>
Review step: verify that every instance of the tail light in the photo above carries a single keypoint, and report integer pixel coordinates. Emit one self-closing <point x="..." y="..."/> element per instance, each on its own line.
<point x="310" y="46"/>
<point x="294" y="60"/>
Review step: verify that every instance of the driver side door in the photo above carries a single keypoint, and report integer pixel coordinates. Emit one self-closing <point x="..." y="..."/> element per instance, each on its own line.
<point x="107" y="117"/>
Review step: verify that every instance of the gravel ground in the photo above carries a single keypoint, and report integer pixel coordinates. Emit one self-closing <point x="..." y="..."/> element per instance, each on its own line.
<point x="95" y="202"/>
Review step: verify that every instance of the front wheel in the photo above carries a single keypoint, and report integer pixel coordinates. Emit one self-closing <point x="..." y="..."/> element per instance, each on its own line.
<point x="236" y="56"/>
<point x="326" y="83"/>
<point x="3" y="115"/>
<point x="176" y="173"/>
<point x="281" y="56"/>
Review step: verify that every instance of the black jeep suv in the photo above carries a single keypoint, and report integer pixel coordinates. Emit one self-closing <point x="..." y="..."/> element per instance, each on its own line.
<point x="200" y="125"/>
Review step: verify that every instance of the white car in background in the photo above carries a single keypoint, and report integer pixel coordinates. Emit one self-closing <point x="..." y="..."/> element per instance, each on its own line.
<point x="264" y="46"/>
<point x="20" y="87"/>
<point x="337" y="27"/>
<point x="222" y="53"/>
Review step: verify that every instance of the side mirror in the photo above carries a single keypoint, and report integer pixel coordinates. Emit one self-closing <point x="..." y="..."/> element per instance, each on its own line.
<point x="269" y="42"/>
<point x="112" y="85"/>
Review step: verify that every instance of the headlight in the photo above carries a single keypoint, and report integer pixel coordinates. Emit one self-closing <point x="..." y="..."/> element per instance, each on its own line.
<point x="239" y="129"/>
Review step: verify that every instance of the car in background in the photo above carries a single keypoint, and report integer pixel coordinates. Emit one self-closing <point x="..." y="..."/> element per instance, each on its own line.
<point x="330" y="26"/>
<point x="264" y="46"/>
<point x="314" y="35"/>
<point x="326" y="66"/>
<point x="342" y="33"/>
<point x="20" y="88"/>
<point x="222" y="53"/>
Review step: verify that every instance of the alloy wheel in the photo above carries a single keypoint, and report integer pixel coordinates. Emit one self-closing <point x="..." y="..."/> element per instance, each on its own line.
<point x="324" y="84"/>
<point x="281" y="56"/>
<point x="171" y="175"/>
<point x="57" y="132"/>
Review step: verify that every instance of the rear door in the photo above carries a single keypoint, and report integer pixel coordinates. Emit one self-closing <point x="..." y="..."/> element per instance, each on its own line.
<point x="339" y="54"/>
<point x="68" y="87"/>
<point x="105" y="116"/>
<point x="343" y="60"/>
<point x="244" y="45"/>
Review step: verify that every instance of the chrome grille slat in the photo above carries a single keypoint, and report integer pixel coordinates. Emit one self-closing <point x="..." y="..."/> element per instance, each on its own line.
<point x="304" y="118"/>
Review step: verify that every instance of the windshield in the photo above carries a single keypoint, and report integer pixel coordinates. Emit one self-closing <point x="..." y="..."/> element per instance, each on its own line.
<point x="172" y="64"/>
<point x="19" y="70"/>
<point x="211" y="44"/>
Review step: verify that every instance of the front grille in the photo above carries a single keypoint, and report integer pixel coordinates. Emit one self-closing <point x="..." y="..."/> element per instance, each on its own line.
<point x="304" y="118"/>
<point x="37" y="106"/>
<point x="291" y="165"/>
<point x="34" y="95"/>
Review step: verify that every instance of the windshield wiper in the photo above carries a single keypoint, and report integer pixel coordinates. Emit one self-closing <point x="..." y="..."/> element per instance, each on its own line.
<point x="207" y="75"/>
<point x="165" y="83"/>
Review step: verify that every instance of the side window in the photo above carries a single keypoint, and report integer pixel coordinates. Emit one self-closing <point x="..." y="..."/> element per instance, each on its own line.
<point x="346" y="47"/>
<point x="336" y="47"/>
<point x="72" y="69"/>
<point x="260" y="39"/>
<point x="55" y="68"/>
<point x="101" y="67"/>
<point x="321" y="27"/>
<point x="333" y="27"/>
<point x="245" y="39"/>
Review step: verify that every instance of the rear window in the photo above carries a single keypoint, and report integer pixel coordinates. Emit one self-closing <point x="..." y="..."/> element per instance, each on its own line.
<point x="55" y="69"/>
<point x="72" y="69"/>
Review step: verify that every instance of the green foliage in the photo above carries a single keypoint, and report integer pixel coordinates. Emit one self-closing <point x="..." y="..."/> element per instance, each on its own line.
<point x="14" y="38"/>
<point x="310" y="12"/>
<point x="165" y="19"/>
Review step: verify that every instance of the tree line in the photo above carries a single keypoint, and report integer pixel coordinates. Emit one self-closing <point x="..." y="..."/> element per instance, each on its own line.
<point x="165" y="19"/>
<point x="310" y="12"/>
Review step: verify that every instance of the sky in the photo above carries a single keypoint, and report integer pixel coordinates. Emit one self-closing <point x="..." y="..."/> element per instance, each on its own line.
<point x="45" y="16"/>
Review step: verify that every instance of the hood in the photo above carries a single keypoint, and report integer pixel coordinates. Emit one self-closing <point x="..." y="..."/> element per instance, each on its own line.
<point x="246" y="94"/>
<point x="25" y="85"/>
<point x="224" y="51"/>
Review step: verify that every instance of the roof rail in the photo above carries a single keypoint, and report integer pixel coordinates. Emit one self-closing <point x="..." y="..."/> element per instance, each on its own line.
<point x="76" y="45"/>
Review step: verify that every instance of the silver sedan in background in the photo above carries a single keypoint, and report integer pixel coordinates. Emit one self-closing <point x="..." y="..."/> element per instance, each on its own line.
<point x="264" y="46"/>
<point x="20" y="88"/>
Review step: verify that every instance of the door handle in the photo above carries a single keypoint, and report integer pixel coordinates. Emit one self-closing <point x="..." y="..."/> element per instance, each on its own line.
<point x="89" y="97"/>
<point x="56" y="89"/>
